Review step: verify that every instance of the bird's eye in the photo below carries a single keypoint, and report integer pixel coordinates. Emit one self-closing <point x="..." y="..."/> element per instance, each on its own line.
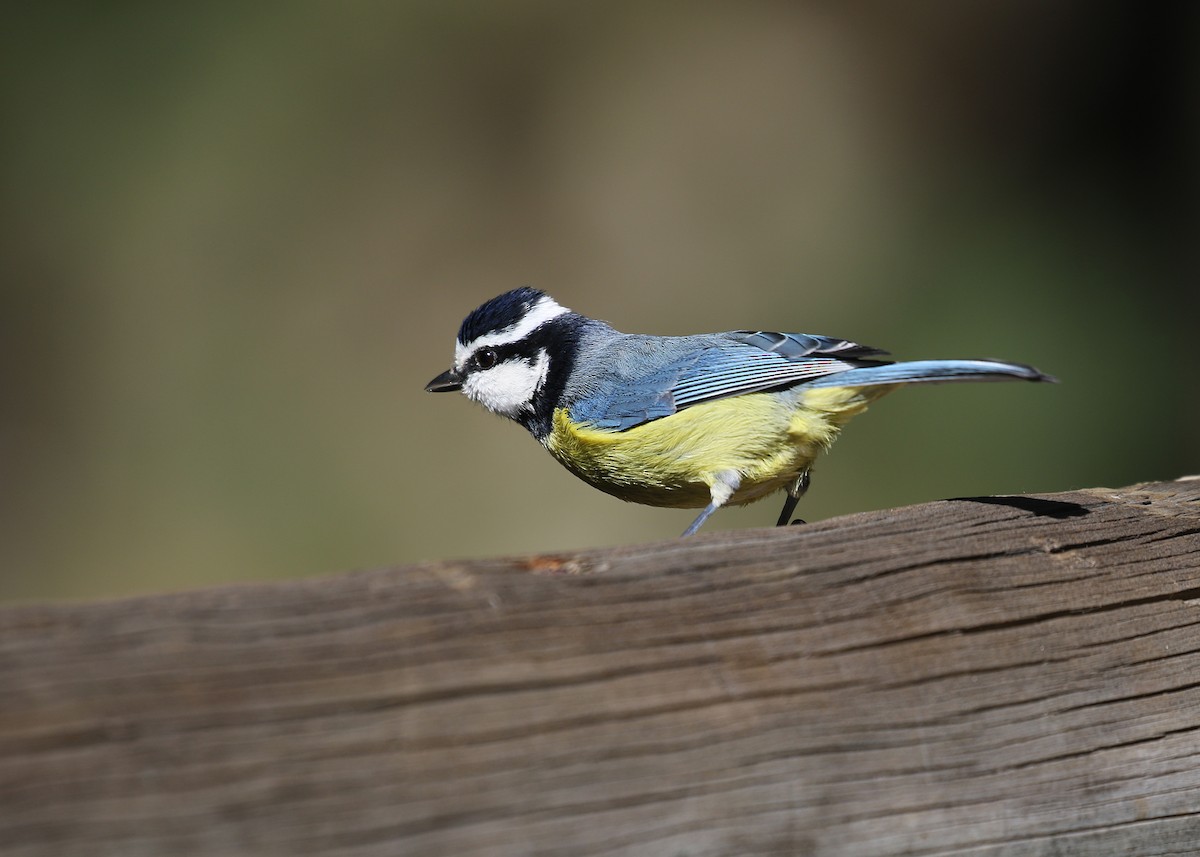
<point x="486" y="358"/>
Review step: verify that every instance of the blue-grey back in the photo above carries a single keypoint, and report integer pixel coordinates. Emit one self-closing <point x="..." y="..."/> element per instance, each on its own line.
<point x="621" y="380"/>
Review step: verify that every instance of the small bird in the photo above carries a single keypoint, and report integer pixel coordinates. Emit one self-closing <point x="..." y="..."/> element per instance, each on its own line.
<point x="679" y="421"/>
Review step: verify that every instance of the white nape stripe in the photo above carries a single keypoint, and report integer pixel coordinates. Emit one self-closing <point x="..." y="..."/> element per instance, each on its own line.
<point x="508" y="388"/>
<point x="541" y="312"/>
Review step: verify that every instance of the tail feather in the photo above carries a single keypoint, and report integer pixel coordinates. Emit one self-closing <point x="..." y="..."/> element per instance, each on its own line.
<point x="933" y="371"/>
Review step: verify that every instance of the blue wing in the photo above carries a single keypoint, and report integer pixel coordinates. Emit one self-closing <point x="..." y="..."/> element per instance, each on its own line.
<point x="761" y="360"/>
<point x="660" y="376"/>
<point x="635" y="379"/>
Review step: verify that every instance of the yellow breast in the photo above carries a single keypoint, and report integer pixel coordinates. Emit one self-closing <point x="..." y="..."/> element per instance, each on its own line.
<point x="767" y="438"/>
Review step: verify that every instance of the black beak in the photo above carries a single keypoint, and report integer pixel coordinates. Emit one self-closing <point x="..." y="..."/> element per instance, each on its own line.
<point x="447" y="382"/>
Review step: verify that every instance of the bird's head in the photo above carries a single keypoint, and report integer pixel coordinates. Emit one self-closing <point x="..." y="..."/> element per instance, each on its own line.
<point x="504" y="353"/>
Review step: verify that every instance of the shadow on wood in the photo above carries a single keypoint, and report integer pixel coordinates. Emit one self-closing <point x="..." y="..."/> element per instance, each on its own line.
<point x="1013" y="676"/>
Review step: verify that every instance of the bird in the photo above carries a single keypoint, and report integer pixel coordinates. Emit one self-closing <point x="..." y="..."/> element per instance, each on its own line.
<point x="697" y="422"/>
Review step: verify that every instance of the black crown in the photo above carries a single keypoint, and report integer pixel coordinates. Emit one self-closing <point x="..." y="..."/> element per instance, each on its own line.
<point x="499" y="313"/>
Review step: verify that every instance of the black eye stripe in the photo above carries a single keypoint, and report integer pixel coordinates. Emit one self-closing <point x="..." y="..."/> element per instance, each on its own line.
<point x="525" y="350"/>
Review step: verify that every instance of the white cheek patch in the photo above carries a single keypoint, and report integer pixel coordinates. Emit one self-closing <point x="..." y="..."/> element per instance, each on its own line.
<point x="508" y="388"/>
<point x="540" y="313"/>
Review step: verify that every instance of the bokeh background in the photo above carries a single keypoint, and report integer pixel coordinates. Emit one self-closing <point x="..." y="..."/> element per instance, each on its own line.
<point x="238" y="238"/>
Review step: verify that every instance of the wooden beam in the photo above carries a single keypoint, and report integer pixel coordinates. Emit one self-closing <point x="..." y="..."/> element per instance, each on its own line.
<point x="998" y="675"/>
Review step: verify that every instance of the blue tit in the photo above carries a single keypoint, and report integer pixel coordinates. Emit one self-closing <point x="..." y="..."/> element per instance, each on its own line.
<point x="680" y="421"/>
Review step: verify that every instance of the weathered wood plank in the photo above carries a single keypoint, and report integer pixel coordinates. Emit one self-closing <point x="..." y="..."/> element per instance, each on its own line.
<point x="1004" y="676"/>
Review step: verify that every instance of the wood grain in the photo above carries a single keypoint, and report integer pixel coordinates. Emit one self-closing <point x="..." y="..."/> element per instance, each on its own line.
<point x="998" y="676"/>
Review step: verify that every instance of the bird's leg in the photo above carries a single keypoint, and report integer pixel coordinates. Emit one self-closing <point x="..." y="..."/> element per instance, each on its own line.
<point x="703" y="516"/>
<point x="721" y="489"/>
<point x="794" y="492"/>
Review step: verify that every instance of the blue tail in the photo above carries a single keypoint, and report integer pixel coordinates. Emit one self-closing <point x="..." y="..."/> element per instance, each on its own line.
<point x="932" y="371"/>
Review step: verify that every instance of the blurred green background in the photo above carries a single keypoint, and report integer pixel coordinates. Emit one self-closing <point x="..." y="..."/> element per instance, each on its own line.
<point x="239" y="238"/>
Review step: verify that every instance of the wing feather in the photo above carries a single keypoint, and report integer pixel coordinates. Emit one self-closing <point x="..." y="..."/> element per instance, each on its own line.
<point x="716" y="367"/>
<point x="753" y="361"/>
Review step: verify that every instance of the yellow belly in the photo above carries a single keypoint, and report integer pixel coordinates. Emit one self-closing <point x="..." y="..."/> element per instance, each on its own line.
<point x="768" y="439"/>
